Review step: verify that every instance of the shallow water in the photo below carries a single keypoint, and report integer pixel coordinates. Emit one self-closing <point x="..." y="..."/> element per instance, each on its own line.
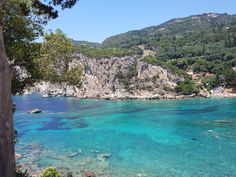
<point x="166" y="138"/>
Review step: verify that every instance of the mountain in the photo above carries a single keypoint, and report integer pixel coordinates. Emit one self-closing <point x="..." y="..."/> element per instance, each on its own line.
<point x="91" y="44"/>
<point x="189" y="56"/>
<point x="176" y="28"/>
<point x="200" y="46"/>
<point x="115" y="78"/>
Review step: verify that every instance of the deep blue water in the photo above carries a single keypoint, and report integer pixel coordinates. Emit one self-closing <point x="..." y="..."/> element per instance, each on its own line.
<point x="179" y="138"/>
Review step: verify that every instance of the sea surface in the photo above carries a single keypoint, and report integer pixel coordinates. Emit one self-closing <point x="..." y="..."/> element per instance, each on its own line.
<point x="134" y="138"/>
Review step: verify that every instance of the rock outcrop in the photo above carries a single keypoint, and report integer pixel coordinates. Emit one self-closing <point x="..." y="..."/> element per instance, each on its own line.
<point x="115" y="78"/>
<point x="34" y="111"/>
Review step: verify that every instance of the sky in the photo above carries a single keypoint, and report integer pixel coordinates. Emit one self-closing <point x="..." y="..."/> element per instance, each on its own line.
<point x="95" y="20"/>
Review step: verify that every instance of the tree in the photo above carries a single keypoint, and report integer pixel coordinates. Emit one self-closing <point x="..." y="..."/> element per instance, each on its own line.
<point x="55" y="56"/>
<point x="74" y="76"/>
<point x="20" y="44"/>
<point x="186" y="87"/>
<point x="7" y="152"/>
<point x="230" y="77"/>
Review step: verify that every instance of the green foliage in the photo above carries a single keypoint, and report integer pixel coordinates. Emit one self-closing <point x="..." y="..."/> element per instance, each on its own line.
<point x="230" y="77"/>
<point x="166" y="65"/>
<point x="20" y="32"/>
<point x="202" y="43"/>
<point x="23" y="25"/>
<point x="51" y="172"/>
<point x="186" y="87"/>
<point x="201" y="28"/>
<point x="74" y="76"/>
<point x="55" y="55"/>
<point x="125" y="77"/>
<point x="137" y="51"/>
<point x="211" y="82"/>
<point x="103" y="52"/>
<point x="91" y="44"/>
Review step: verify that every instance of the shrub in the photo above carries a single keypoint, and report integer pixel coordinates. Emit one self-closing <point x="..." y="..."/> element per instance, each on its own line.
<point x="166" y="65"/>
<point x="74" y="76"/>
<point x="186" y="87"/>
<point x="211" y="82"/>
<point x="230" y="77"/>
<point x="99" y="53"/>
<point x="51" y="172"/>
<point x="125" y="77"/>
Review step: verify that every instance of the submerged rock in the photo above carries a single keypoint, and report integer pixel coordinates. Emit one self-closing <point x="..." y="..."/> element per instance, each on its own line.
<point x="75" y="154"/>
<point x="194" y="139"/>
<point x="210" y="131"/>
<point x="105" y="156"/>
<point x="18" y="156"/>
<point x="34" y="111"/>
<point x="139" y="175"/>
<point x="224" y="121"/>
<point x="89" y="174"/>
<point x="95" y="151"/>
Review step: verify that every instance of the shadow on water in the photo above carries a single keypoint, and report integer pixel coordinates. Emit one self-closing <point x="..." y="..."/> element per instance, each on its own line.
<point x="191" y="111"/>
<point x="118" y="111"/>
<point x="81" y="123"/>
<point x="54" y="124"/>
<point x="85" y="107"/>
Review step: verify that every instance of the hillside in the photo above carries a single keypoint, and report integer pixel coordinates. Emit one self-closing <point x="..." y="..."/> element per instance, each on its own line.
<point x="197" y="55"/>
<point x="174" y="29"/>
<point x="115" y="78"/>
<point x="91" y="44"/>
<point x="202" y="46"/>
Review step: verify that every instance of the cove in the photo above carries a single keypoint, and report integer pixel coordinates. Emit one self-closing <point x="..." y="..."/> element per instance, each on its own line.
<point x="156" y="138"/>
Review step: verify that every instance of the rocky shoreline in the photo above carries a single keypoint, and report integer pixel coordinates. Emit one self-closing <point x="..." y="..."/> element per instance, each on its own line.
<point x="93" y="163"/>
<point x="114" y="78"/>
<point x="59" y="93"/>
<point x="120" y="78"/>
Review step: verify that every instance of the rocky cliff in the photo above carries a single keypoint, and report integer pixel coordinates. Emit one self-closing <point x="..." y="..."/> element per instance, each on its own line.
<point x="115" y="78"/>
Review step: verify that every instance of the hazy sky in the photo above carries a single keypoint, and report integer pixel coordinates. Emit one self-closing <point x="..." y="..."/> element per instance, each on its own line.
<point x="95" y="20"/>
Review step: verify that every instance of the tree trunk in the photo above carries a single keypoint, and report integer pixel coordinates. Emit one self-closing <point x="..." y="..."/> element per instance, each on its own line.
<point x="7" y="150"/>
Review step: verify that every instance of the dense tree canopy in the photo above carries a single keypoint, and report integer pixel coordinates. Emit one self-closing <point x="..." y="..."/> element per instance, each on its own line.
<point x="55" y="56"/>
<point x="202" y="44"/>
<point x="20" y="44"/>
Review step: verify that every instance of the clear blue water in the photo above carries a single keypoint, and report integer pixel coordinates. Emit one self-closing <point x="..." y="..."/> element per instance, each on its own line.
<point x="195" y="137"/>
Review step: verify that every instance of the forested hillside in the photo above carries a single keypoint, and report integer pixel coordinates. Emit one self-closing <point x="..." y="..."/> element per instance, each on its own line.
<point x="91" y="44"/>
<point x="204" y="46"/>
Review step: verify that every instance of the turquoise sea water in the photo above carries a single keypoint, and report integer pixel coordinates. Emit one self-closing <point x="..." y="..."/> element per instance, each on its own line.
<point x="179" y="138"/>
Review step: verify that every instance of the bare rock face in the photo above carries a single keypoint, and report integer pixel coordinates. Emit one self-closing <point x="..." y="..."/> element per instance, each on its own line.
<point x="115" y="78"/>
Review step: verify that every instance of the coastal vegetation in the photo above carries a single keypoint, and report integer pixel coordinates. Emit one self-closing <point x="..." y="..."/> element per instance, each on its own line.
<point x="103" y="52"/>
<point x="20" y="44"/>
<point x="166" y="65"/>
<point x="26" y="15"/>
<point x="125" y="77"/>
<point x="200" y="49"/>
<point x="54" y="58"/>
<point x="203" y="45"/>
<point x="187" y="87"/>
<point x="51" y="172"/>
